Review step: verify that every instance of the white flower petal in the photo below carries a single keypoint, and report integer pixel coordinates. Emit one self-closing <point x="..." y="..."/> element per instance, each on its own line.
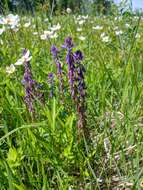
<point x="82" y="38"/>
<point x="19" y="62"/>
<point x="26" y="56"/>
<point x="29" y="58"/>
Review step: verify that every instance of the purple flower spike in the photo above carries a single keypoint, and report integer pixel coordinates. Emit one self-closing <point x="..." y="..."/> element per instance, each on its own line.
<point x="55" y="51"/>
<point x="28" y="83"/>
<point x="78" y="55"/>
<point x="30" y="86"/>
<point x="76" y="73"/>
<point x="71" y="65"/>
<point x="68" y="43"/>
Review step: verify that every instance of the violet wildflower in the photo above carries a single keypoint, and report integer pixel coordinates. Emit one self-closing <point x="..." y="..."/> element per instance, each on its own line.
<point x="80" y="73"/>
<point x="29" y="84"/>
<point x="55" y="51"/>
<point x="71" y="65"/>
<point x="76" y="72"/>
<point x="51" y="84"/>
<point x="68" y="43"/>
<point x="81" y="107"/>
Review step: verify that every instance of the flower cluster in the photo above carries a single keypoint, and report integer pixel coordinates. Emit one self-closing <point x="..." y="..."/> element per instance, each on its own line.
<point x="51" y="33"/>
<point x="10" y="21"/>
<point x="76" y="72"/>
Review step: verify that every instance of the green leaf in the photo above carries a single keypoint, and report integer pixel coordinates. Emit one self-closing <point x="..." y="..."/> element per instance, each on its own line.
<point x="12" y="155"/>
<point x="20" y="187"/>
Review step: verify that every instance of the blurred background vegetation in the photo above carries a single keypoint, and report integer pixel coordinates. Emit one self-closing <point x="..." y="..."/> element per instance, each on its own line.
<point x="95" y="7"/>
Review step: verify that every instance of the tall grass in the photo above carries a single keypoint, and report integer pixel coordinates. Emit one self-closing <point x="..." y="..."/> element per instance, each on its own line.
<point x="45" y="152"/>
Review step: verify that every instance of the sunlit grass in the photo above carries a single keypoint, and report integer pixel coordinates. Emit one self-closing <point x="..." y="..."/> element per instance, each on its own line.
<point x="45" y="151"/>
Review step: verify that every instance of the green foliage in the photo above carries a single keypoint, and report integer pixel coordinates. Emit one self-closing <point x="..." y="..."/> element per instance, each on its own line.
<point x="45" y="152"/>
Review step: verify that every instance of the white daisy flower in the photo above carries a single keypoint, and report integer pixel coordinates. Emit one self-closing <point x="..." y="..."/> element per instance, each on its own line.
<point x="11" y="21"/>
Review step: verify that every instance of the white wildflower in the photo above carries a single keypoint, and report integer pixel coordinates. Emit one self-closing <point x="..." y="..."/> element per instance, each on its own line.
<point x="82" y="38"/>
<point x="26" y="25"/>
<point x="118" y="33"/>
<point x="97" y="27"/>
<point x="81" y="22"/>
<point x="79" y="29"/>
<point x="48" y="32"/>
<point x="44" y="37"/>
<point x="85" y="17"/>
<point x="11" y="21"/>
<point x="103" y="35"/>
<point x="68" y="10"/>
<point x="35" y="33"/>
<point x="78" y="18"/>
<point x="105" y="38"/>
<point x="137" y="36"/>
<point x="56" y="27"/>
<point x="10" y="69"/>
<point x="24" y="58"/>
<point x="53" y="36"/>
<point x="127" y="25"/>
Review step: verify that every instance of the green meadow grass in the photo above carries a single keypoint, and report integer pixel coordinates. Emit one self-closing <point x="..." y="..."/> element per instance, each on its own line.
<point x="45" y="152"/>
